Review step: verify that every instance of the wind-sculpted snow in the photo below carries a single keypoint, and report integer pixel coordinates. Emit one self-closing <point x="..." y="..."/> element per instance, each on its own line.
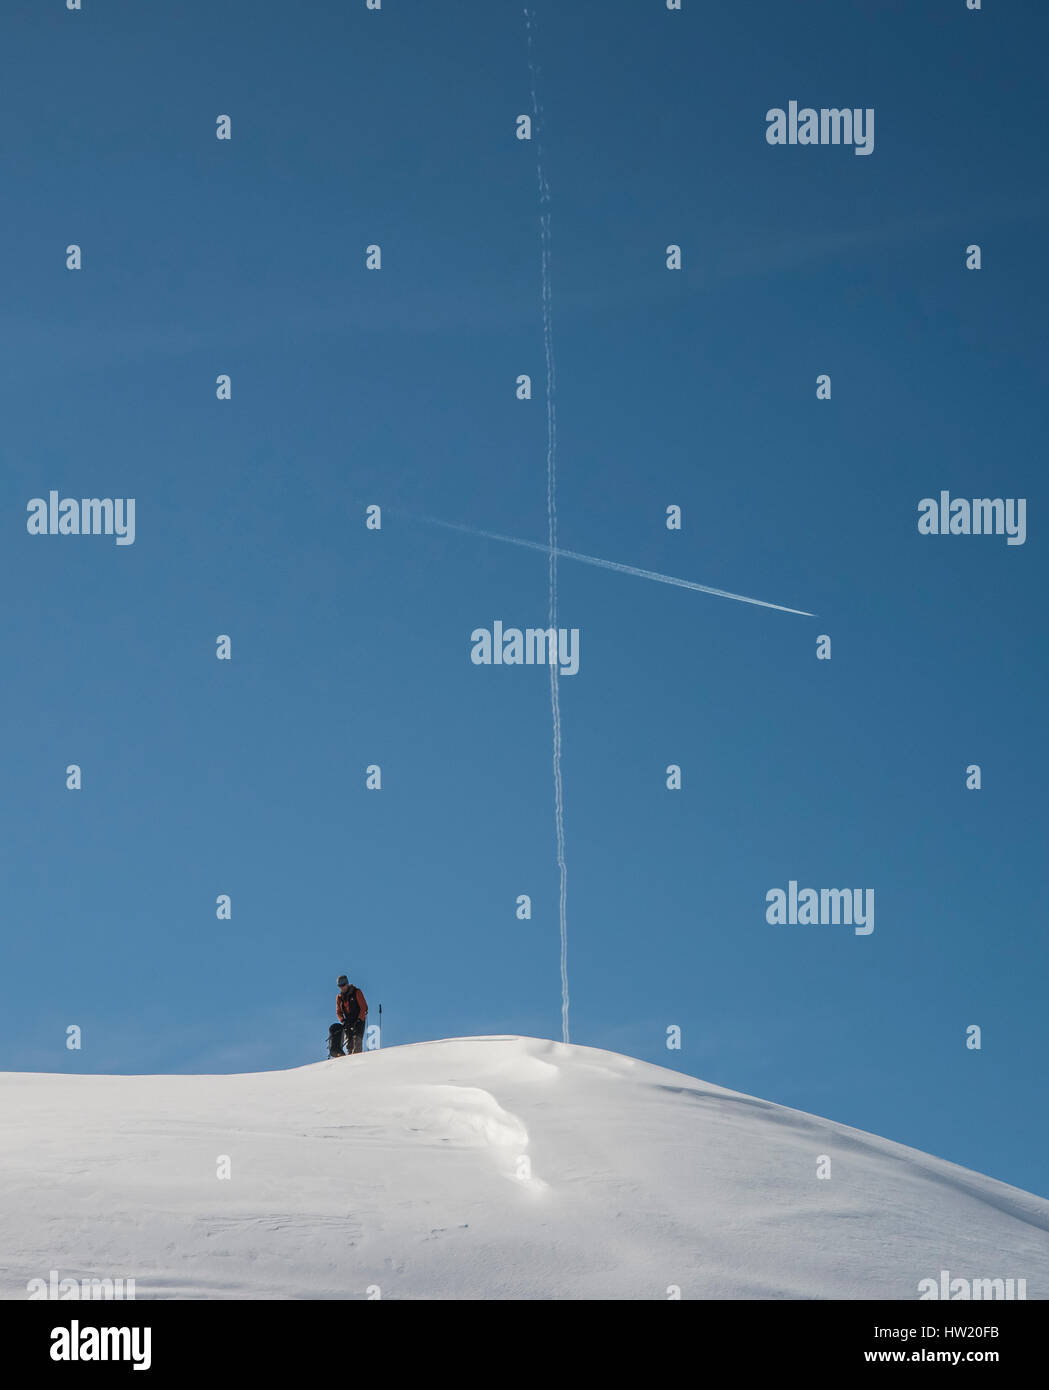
<point x="465" y="1115"/>
<point x="481" y="1168"/>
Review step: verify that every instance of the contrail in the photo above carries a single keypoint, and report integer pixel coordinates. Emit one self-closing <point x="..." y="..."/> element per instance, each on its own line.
<point x="613" y="565"/>
<point x="551" y="517"/>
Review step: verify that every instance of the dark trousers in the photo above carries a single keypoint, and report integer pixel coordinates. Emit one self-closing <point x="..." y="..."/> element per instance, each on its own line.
<point x="350" y="1034"/>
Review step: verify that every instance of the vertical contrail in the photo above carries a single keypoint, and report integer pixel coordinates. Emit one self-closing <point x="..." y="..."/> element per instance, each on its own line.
<point x="551" y="515"/>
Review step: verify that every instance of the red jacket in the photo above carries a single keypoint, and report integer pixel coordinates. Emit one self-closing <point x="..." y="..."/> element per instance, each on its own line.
<point x="349" y="1003"/>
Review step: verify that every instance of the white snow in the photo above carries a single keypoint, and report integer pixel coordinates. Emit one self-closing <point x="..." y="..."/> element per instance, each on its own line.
<point x="481" y="1168"/>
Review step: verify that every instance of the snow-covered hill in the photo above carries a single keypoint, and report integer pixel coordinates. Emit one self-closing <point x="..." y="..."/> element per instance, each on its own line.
<point x="481" y="1168"/>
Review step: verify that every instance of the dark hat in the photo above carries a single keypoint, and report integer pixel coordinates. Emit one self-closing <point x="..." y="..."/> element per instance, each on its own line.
<point x="343" y="980"/>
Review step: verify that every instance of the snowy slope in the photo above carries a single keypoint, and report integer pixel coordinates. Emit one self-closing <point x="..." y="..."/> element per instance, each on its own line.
<point x="402" y="1169"/>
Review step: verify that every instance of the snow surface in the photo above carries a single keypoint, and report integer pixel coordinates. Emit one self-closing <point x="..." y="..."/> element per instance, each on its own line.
<point x="403" y="1169"/>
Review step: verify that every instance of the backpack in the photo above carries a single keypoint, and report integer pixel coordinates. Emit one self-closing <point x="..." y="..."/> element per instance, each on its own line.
<point x="351" y="1005"/>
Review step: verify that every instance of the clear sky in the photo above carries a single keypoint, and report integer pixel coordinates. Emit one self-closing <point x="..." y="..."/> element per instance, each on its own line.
<point x="396" y="387"/>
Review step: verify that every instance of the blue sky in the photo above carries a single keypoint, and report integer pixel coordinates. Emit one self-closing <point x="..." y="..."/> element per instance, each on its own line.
<point x="696" y="388"/>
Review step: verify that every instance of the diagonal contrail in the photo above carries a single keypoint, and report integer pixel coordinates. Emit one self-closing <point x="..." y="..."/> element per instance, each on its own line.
<point x="613" y="565"/>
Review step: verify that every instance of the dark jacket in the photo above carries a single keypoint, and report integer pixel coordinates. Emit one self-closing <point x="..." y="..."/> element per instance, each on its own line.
<point x="351" y="1006"/>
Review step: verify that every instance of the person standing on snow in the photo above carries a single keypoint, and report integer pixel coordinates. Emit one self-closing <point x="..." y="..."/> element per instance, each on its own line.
<point x="352" y="1010"/>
